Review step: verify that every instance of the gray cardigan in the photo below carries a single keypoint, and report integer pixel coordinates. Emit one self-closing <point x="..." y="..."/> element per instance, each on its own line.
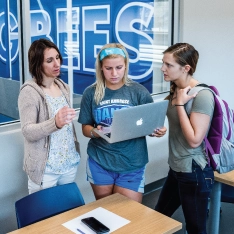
<point x="37" y="127"/>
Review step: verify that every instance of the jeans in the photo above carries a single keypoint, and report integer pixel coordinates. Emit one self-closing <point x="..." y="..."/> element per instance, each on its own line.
<point x="191" y="191"/>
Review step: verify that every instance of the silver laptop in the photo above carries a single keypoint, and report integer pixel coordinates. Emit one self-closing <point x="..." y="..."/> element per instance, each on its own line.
<point x="133" y="122"/>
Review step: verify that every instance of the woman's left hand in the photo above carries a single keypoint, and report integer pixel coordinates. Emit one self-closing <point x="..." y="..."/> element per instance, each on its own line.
<point x="159" y="132"/>
<point x="64" y="116"/>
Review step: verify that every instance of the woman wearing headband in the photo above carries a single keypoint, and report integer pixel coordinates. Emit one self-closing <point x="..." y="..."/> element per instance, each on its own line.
<point x="117" y="167"/>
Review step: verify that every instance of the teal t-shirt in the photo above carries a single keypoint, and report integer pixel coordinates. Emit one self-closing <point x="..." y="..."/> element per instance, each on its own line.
<point x="120" y="157"/>
<point x="181" y="153"/>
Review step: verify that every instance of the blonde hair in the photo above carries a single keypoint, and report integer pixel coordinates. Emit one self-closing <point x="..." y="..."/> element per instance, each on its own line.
<point x="100" y="78"/>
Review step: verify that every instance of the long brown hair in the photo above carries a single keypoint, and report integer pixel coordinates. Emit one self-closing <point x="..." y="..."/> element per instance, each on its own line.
<point x="36" y="58"/>
<point x="184" y="54"/>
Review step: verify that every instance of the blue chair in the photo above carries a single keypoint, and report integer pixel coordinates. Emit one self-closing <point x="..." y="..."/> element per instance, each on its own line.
<point x="47" y="203"/>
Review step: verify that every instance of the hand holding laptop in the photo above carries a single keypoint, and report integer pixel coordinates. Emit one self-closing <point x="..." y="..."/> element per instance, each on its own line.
<point x="159" y="132"/>
<point x="137" y="121"/>
<point x="104" y="130"/>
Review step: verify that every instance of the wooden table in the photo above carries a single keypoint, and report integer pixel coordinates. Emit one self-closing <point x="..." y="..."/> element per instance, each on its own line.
<point x="215" y="199"/>
<point x="143" y="219"/>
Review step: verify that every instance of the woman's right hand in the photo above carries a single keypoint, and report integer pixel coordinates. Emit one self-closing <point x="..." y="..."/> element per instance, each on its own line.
<point x="183" y="97"/>
<point x="64" y="116"/>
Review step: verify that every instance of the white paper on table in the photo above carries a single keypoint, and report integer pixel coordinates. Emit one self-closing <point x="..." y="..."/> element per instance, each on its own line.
<point x="108" y="218"/>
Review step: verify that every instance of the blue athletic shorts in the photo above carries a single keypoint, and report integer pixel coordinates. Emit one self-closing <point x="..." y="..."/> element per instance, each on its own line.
<point x="99" y="176"/>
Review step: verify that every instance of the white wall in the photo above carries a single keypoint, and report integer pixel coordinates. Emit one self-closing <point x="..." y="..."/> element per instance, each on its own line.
<point x="208" y="26"/>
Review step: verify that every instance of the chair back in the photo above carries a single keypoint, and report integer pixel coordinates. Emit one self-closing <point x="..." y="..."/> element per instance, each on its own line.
<point x="46" y="203"/>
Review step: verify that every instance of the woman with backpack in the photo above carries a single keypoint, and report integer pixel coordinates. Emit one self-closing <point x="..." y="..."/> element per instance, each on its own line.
<point x="190" y="178"/>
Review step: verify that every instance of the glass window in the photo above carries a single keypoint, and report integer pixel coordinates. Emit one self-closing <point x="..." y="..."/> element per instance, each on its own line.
<point x="9" y="61"/>
<point x="80" y="28"/>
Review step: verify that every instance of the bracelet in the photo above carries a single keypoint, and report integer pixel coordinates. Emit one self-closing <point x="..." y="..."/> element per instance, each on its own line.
<point x="178" y="105"/>
<point x="91" y="133"/>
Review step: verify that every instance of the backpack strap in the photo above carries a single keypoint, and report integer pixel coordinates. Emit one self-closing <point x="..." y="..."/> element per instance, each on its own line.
<point x="188" y="107"/>
<point x="229" y="121"/>
<point x="196" y="89"/>
<point x="202" y="85"/>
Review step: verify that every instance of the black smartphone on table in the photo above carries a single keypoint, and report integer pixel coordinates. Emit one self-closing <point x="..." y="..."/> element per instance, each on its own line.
<point x="95" y="225"/>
